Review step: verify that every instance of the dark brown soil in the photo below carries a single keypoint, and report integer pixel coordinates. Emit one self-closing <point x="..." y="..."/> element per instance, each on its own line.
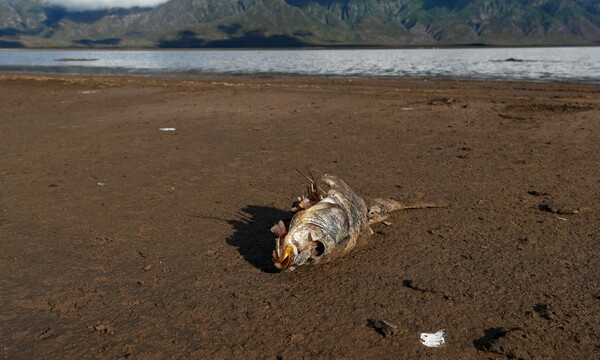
<point x="121" y="240"/>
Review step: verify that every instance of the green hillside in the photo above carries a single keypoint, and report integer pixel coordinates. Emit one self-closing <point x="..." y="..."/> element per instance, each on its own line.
<point x="285" y="23"/>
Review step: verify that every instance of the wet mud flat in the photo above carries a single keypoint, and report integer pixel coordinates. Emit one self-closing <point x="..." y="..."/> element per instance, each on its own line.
<point x="119" y="239"/>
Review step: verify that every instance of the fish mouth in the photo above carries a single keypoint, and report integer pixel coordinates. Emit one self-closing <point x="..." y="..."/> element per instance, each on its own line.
<point x="283" y="262"/>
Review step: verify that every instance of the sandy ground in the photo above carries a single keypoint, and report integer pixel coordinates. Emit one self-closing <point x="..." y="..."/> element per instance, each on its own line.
<point x="121" y="240"/>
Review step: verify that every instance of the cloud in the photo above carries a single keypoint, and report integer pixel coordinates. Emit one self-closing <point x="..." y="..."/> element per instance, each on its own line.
<point x="104" y="4"/>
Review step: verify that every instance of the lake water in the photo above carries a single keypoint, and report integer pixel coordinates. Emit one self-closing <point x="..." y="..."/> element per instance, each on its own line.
<point x="536" y="64"/>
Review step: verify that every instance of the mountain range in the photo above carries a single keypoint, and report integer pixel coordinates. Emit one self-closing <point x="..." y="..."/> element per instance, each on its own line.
<point x="295" y="23"/>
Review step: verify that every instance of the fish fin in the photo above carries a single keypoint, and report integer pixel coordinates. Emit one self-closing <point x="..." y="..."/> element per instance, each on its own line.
<point x="279" y="229"/>
<point x="314" y="193"/>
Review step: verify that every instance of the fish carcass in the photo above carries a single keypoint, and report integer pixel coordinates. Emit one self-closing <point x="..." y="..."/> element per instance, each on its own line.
<point x="326" y="227"/>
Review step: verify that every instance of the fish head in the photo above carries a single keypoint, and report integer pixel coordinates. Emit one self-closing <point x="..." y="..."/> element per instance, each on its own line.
<point x="295" y="249"/>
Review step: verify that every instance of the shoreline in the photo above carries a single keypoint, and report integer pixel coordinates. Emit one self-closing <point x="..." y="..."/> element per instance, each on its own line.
<point x="276" y="76"/>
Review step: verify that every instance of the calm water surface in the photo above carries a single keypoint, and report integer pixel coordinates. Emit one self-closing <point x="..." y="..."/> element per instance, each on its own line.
<point x="537" y="64"/>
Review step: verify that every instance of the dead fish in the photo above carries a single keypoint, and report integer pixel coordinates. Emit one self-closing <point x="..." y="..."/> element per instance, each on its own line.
<point x="327" y="227"/>
<point x="323" y="230"/>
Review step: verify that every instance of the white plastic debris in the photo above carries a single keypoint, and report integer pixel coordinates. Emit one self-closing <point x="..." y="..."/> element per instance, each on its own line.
<point x="167" y="129"/>
<point x="406" y="109"/>
<point x="434" y="340"/>
<point x="86" y="92"/>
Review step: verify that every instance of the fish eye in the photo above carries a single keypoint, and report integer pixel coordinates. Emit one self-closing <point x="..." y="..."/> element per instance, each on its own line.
<point x="320" y="249"/>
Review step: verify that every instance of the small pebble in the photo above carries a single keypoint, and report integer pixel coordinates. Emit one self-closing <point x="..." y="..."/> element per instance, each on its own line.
<point x="384" y="327"/>
<point x="46" y="334"/>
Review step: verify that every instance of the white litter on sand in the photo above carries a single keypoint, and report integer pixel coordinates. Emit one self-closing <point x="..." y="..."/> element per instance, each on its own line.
<point x="434" y="340"/>
<point x="167" y="129"/>
<point x="88" y="92"/>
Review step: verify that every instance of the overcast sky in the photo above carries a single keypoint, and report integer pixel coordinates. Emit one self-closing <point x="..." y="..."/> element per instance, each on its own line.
<point x="104" y="4"/>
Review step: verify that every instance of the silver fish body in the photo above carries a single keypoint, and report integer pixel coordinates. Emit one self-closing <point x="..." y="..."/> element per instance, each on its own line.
<point x="324" y="231"/>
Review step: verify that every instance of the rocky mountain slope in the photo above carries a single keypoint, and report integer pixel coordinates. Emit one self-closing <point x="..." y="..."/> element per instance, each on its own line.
<point x="284" y="23"/>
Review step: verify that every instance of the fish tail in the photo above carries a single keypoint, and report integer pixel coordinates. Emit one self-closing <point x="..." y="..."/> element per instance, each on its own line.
<point x="383" y="207"/>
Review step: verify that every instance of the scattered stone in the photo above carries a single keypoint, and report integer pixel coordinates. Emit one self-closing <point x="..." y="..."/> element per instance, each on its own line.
<point x="100" y="184"/>
<point x="436" y="232"/>
<point x="490" y="336"/>
<point x="524" y="240"/>
<point x="210" y="252"/>
<point x="512" y="343"/>
<point x="383" y="327"/>
<point x="46" y="334"/>
<point x="296" y="337"/>
<point x="104" y="328"/>
<point x="558" y="209"/>
<point x="147" y="267"/>
<point x="543" y="310"/>
<point x="510" y="117"/>
<point x="442" y="101"/>
<point x="421" y="288"/>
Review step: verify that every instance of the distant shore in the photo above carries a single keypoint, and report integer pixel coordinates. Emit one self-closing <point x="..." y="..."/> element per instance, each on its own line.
<point x="310" y="47"/>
